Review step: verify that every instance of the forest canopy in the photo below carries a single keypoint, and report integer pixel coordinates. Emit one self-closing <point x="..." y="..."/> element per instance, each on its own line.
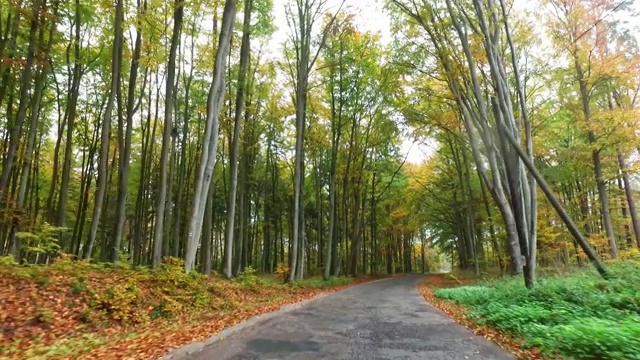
<point x="135" y="131"/>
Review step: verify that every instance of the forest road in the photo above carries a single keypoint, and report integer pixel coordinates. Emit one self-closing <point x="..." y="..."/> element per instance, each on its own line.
<point x="385" y="319"/>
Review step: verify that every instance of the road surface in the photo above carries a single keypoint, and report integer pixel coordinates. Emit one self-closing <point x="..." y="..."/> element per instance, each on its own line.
<point x="385" y="319"/>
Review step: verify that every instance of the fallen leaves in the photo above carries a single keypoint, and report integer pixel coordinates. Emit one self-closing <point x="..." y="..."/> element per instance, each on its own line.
<point x="458" y="314"/>
<point x="82" y="311"/>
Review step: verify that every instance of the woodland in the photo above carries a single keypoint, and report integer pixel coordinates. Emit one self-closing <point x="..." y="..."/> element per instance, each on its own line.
<point x="176" y="142"/>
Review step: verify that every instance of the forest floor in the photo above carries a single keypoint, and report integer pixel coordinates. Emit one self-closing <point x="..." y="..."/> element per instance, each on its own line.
<point x="576" y="315"/>
<point x="80" y="310"/>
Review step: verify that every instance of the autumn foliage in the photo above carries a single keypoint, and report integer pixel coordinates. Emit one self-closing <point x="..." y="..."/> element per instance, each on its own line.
<point x="73" y="308"/>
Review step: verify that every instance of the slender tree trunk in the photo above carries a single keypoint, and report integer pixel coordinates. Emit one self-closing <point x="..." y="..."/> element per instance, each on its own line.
<point x="70" y="111"/>
<point x="33" y="127"/>
<point x="125" y="150"/>
<point x="301" y="95"/>
<point x="336" y="131"/>
<point x="633" y="213"/>
<point x="597" y="164"/>
<point x="207" y="162"/>
<point x="205" y="249"/>
<point x="584" y="244"/>
<point x="178" y="14"/>
<point x="13" y="24"/>
<point x="245" y="50"/>
<point x="25" y="81"/>
<point x="116" y="62"/>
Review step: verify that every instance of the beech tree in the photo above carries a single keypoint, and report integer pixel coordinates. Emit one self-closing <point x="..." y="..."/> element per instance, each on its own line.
<point x="295" y="158"/>
<point x="210" y="142"/>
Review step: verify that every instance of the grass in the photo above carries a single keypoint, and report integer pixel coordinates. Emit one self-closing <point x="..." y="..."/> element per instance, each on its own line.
<point x="579" y="316"/>
<point x="95" y="310"/>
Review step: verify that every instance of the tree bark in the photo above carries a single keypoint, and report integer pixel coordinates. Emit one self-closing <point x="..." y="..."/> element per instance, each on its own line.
<point x="116" y="62"/>
<point x="597" y="163"/>
<point x="245" y="51"/>
<point x="33" y="126"/>
<point x="207" y="161"/>
<point x="628" y="191"/>
<point x="25" y="81"/>
<point x="70" y="111"/>
<point x="573" y="229"/>
<point x="125" y="149"/>
<point x="178" y="14"/>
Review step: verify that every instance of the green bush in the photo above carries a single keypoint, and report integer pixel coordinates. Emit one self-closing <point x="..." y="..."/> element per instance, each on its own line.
<point x="578" y="316"/>
<point x="250" y="279"/>
<point x="319" y="283"/>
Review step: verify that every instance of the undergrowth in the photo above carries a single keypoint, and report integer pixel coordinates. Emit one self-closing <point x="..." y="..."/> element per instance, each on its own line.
<point x="580" y="316"/>
<point x="51" y="310"/>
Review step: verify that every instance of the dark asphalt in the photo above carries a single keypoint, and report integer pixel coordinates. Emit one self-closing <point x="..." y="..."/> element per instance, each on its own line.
<point x="385" y="319"/>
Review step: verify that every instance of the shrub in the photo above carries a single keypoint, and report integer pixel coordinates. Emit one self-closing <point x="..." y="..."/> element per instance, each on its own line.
<point x="249" y="279"/>
<point x="576" y="316"/>
<point x="319" y="283"/>
<point x="8" y="261"/>
<point x="120" y="302"/>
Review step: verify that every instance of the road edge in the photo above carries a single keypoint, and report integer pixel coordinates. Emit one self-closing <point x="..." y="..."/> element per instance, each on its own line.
<point x="448" y="309"/>
<point x="186" y="350"/>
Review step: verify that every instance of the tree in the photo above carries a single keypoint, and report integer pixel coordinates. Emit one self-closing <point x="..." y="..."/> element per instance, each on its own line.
<point x="245" y="49"/>
<point x="116" y="63"/>
<point x="302" y="21"/>
<point x="209" y="145"/>
<point x="161" y="206"/>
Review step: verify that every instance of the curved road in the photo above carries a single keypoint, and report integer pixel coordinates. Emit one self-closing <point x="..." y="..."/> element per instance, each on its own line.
<point x="385" y="319"/>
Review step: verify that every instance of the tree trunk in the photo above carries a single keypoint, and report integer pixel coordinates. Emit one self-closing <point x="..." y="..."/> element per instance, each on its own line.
<point x="336" y="132"/>
<point x="125" y="150"/>
<point x="245" y="50"/>
<point x="628" y="191"/>
<point x="205" y="250"/>
<point x="70" y="111"/>
<point x="33" y="128"/>
<point x="597" y="166"/>
<point x="178" y="13"/>
<point x="573" y="229"/>
<point x="25" y="81"/>
<point x="207" y="161"/>
<point x="116" y="62"/>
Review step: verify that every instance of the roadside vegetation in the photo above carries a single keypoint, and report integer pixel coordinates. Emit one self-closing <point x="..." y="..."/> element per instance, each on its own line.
<point x="75" y="309"/>
<point x="225" y="139"/>
<point x="570" y="316"/>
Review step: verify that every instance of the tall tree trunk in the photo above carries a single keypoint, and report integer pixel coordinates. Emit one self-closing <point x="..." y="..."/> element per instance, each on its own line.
<point x="178" y="14"/>
<point x="70" y="111"/>
<point x="184" y="171"/>
<point x="25" y="85"/>
<point x="125" y="149"/>
<point x="628" y="191"/>
<point x="573" y="229"/>
<point x="245" y="51"/>
<point x="207" y="162"/>
<point x="116" y="62"/>
<point x="11" y="32"/>
<point x="207" y="227"/>
<point x="336" y="132"/>
<point x="597" y="164"/>
<point x="301" y="103"/>
<point x="33" y="126"/>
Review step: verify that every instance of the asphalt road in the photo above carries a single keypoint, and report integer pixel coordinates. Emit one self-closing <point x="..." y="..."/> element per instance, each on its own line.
<point x="385" y="319"/>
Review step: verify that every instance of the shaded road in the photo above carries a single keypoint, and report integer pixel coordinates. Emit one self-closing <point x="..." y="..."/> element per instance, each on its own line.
<point x="385" y="319"/>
